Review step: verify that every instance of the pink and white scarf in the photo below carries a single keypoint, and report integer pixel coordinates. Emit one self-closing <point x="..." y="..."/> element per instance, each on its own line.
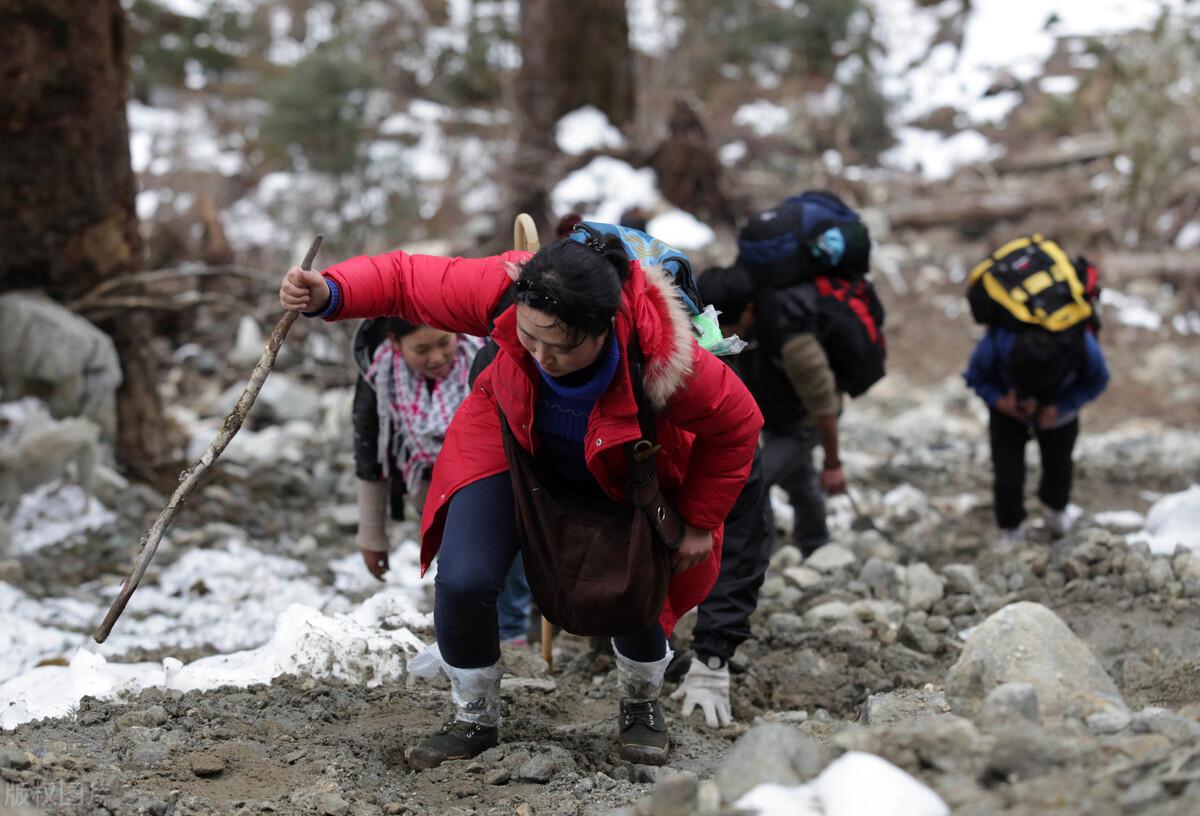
<point x="413" y="417"/>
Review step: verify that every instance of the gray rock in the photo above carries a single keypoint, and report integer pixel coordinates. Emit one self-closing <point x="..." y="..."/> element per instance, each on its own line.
<point x="831" y="557"/>
<point x="767" y="753"/>
<point x="786" y="625"/>
<point x="151" y="717"/>
<point x="919" y="638"/>
<point x="1141" y="795"/>
<point x="938" y="624"/>
<point x="15" y="758"/>
<point x="870" y="543"/>
<point x="803" y="577"/>
<point x="830" y="612"/>
<point x="922" y="586"/>
<point x="1160" y="574"/>
<point x="11" y="571"/>
<point x="206" y="766"/>
<point x="496" y="776"/>
<point x="785" y="557"/>
<point x="886" y="611"/>
<point x="1109" y="722"/>
<point x="772" y="586"/>
<point x="894" y="707"/>
<point x="676" y="795"/>
<point x="59" y="357"/>
<point x="333" y="804"/>
<point x="543" y="767"/>
<point x="149" y="754"/>
<point x="962" y="579"/>
<point x="650" y="774"/>
<point x="1154" y="720"/>
<point x="1009" y="702"/>
<point x="282" y="399"/>
<point x="1027" y="643"/>
<point x="1023" y="751"/>
<point x="881" y="577"/>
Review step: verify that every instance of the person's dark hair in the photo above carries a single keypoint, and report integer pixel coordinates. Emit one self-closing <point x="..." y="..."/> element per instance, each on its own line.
<point x="1036" y="364"/>
<point x="397" y="326"/>
<point x="729" y="290"/>
<point x="579" y="284"/>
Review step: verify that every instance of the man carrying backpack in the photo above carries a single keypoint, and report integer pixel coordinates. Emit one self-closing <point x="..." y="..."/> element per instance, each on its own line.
<point x="799" y="391"/>
<point x="1038" y="364"/>
<point x="818" y="327"/>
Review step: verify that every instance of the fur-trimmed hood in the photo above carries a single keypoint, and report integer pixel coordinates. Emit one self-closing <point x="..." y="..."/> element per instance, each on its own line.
<point x="669" y="345"/>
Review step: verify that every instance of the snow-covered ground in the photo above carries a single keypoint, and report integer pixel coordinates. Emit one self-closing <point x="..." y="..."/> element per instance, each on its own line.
<point x="262" y="613"/>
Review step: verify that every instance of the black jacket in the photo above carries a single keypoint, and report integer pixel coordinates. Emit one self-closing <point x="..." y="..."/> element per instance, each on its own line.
<point x="780" y="314"/>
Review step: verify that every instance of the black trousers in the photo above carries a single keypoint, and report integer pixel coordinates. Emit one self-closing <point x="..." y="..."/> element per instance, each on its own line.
<point x="723" y="619"/>
<point x="1008" y="438"/>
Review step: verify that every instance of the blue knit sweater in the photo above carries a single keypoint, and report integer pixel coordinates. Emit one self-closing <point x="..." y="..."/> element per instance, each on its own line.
<point x="563" y="407"/>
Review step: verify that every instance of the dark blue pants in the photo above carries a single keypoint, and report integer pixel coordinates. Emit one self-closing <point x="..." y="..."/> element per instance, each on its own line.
<point x="478" y="548"/>
<point x="787" y="461"/>
<point x="1008" y="438"/>
<point x="723" y="619"/>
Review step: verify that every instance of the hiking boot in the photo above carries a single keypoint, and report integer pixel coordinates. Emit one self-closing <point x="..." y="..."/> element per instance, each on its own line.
<point x="457" y="739"/>
<point x="643" y="736"/>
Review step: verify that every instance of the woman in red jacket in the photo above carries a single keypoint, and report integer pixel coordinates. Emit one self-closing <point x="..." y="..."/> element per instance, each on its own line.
<point x="561" y="378"/>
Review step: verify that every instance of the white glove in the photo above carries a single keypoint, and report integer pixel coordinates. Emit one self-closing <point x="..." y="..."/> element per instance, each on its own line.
<point x="707" y="689"/>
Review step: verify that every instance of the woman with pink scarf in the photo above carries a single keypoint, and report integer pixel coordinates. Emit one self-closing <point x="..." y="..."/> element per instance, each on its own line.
<point x="413" y="379"/>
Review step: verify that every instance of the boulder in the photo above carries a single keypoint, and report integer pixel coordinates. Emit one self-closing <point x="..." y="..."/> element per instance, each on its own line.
<point x="1027" y="643"/>
<point x="55" y="355"/>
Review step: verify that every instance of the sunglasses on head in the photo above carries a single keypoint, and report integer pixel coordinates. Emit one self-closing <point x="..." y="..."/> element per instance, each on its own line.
<point x="535" y="297"/>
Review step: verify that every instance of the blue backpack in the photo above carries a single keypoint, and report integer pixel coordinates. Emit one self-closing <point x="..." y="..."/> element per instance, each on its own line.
<point x="811" y="234"/>
<point x="647" y="251"/>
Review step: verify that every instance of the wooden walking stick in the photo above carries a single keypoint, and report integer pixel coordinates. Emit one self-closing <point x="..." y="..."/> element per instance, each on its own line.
<point x="191" y="477"/>
<point x="525" y="239"/>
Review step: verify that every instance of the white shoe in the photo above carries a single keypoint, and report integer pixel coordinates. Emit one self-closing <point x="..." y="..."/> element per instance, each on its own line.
<point x="1057" y="521"/>
<point x="1009" y="539"/>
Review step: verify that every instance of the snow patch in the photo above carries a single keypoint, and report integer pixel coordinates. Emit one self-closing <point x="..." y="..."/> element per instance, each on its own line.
<point x="586" y="129"/>
<point x="52" y="513"/>
<point x="1173" y="520"/>
<point x="854" y="784"/>
<point x="605" y="188"/>
<point x="305" y="642"/>
<point x="681" y="230"/>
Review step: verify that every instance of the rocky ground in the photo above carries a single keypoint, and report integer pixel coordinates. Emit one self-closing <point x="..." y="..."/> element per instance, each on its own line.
<point x="876" y="644"/>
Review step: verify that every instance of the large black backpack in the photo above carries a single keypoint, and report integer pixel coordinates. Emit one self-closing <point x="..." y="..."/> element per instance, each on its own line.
<point x="810" y="234"/>
<point x="815" y="239"/>
<point x="1030" y="282"/>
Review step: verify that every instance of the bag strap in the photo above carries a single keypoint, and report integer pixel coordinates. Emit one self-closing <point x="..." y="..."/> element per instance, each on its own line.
<point x="647" y="419"/>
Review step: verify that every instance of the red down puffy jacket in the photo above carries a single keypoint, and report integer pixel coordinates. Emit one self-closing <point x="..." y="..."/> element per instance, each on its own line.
<point x="707" y="421"/>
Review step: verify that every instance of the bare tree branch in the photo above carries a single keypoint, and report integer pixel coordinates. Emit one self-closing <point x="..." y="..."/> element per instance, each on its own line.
<point x="191" y="477"/>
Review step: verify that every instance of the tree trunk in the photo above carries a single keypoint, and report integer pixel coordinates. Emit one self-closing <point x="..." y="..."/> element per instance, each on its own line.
<point x="573" y="54"/>
<point x="67" y="216"/>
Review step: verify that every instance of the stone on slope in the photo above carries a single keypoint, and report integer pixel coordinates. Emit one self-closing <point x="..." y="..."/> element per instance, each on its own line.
<point x="1027" y="643"/>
